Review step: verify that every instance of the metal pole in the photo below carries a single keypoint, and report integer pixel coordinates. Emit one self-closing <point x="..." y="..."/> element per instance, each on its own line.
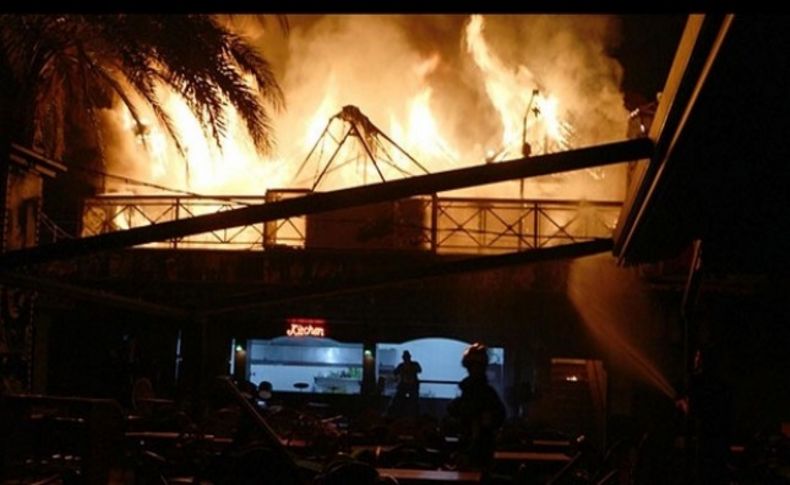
<point x="690" y="294"/>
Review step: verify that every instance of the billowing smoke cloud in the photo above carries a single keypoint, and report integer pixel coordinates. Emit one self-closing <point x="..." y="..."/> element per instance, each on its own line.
<point x="567" y="55"/>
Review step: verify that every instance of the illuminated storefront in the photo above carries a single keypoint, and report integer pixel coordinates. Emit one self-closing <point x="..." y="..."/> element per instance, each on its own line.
<point x="440" y="359"/>
<point x="306" y="364"/>
<point x="312" y="364"/>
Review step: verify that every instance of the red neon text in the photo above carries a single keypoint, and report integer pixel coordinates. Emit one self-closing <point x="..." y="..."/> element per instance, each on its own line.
<point x="299" y="330"/>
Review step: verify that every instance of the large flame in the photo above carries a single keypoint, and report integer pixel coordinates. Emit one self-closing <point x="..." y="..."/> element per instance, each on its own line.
<point x="421" y="136"/>
<point x="527" y="112"/>
<point x="368" y="62"/>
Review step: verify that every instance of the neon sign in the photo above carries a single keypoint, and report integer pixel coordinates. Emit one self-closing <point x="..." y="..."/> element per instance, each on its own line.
<point x="306" y="327"/>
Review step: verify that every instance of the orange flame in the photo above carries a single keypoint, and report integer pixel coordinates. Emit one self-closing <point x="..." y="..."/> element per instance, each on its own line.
<point x="510" y="93"/>
<point x="409" y="115"/>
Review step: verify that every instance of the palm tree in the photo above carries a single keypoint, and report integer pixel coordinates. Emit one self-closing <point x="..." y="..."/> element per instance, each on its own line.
<point x="56" y="71"/>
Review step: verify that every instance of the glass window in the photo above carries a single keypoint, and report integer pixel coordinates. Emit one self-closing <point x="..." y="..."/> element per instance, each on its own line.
<point x="440" y="360"/>
<point x="307" y="364"/>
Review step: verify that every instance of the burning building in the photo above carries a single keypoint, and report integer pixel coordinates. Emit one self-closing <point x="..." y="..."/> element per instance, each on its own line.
<point x="372" y="107"/>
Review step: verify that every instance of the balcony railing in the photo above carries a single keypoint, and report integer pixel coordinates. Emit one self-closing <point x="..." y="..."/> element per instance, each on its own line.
<point x="437" y="224"/>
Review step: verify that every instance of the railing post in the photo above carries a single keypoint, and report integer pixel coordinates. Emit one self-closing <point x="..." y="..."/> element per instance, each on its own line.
<point x="535" y="225"/>
<point x="270" y="227"/>
<point x="522" y="208"/>
<point x="434" y="222"/>
<point x="106" y="225"/>
<point x="178" y="216"/>
<point x="482" y="226"/>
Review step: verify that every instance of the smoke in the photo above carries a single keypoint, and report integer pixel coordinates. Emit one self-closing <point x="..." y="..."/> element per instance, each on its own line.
<point x="383" y="64"/>
<point x="564" y="59"/>
<point x="568" y="57"/>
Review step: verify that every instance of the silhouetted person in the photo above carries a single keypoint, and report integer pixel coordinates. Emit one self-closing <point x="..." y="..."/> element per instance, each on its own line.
<point x="265" y="400"/>
<point x="407" y="394"/>
<point x="479" y="410"/>
<point x="709" y="406"/>
<point x="265" y="390"/>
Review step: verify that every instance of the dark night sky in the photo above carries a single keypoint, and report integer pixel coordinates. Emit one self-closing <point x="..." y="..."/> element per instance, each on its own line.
<point x="646" y="51"/>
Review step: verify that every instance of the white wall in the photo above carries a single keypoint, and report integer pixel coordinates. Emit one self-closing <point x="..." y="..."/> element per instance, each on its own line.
<point x="440" y="359"/>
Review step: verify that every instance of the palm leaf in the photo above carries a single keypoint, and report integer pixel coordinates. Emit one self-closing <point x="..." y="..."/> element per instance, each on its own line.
<point x="85" y="58"/>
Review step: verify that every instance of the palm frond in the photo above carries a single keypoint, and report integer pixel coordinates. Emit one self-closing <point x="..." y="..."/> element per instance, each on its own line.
<point x="86" y="58"/>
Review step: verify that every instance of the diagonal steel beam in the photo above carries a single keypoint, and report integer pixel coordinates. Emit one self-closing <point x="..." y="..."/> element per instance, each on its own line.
<point x="699" y="47"/>
<point x="478" y="263"/>
<point x="339" y="199"/>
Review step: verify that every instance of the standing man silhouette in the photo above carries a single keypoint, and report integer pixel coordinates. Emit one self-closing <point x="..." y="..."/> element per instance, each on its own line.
<point x="406" y="400"/>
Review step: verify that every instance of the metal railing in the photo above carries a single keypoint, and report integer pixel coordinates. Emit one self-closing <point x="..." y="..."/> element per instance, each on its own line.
<point x="504" y="225"/>
<point x="437" y="224"/>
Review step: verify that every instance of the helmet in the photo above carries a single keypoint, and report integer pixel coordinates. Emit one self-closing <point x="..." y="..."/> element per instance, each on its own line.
<point x="476" y="353"/>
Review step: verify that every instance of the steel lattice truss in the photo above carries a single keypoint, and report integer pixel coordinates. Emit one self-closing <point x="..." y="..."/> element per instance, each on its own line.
<point x="350" y="138"/>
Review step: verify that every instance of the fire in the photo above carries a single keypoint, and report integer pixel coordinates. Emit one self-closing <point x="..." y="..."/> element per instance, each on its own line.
<point x="423" y="133"/>
<point x="149" y="137"/>
<point x="401" y="90"/>
<point x="234" y="169"/>
<point x="510" y="91"/>
<point x="317" y="123"/>
<point x="421" y="137"/>
<point x="556" y="128"/>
